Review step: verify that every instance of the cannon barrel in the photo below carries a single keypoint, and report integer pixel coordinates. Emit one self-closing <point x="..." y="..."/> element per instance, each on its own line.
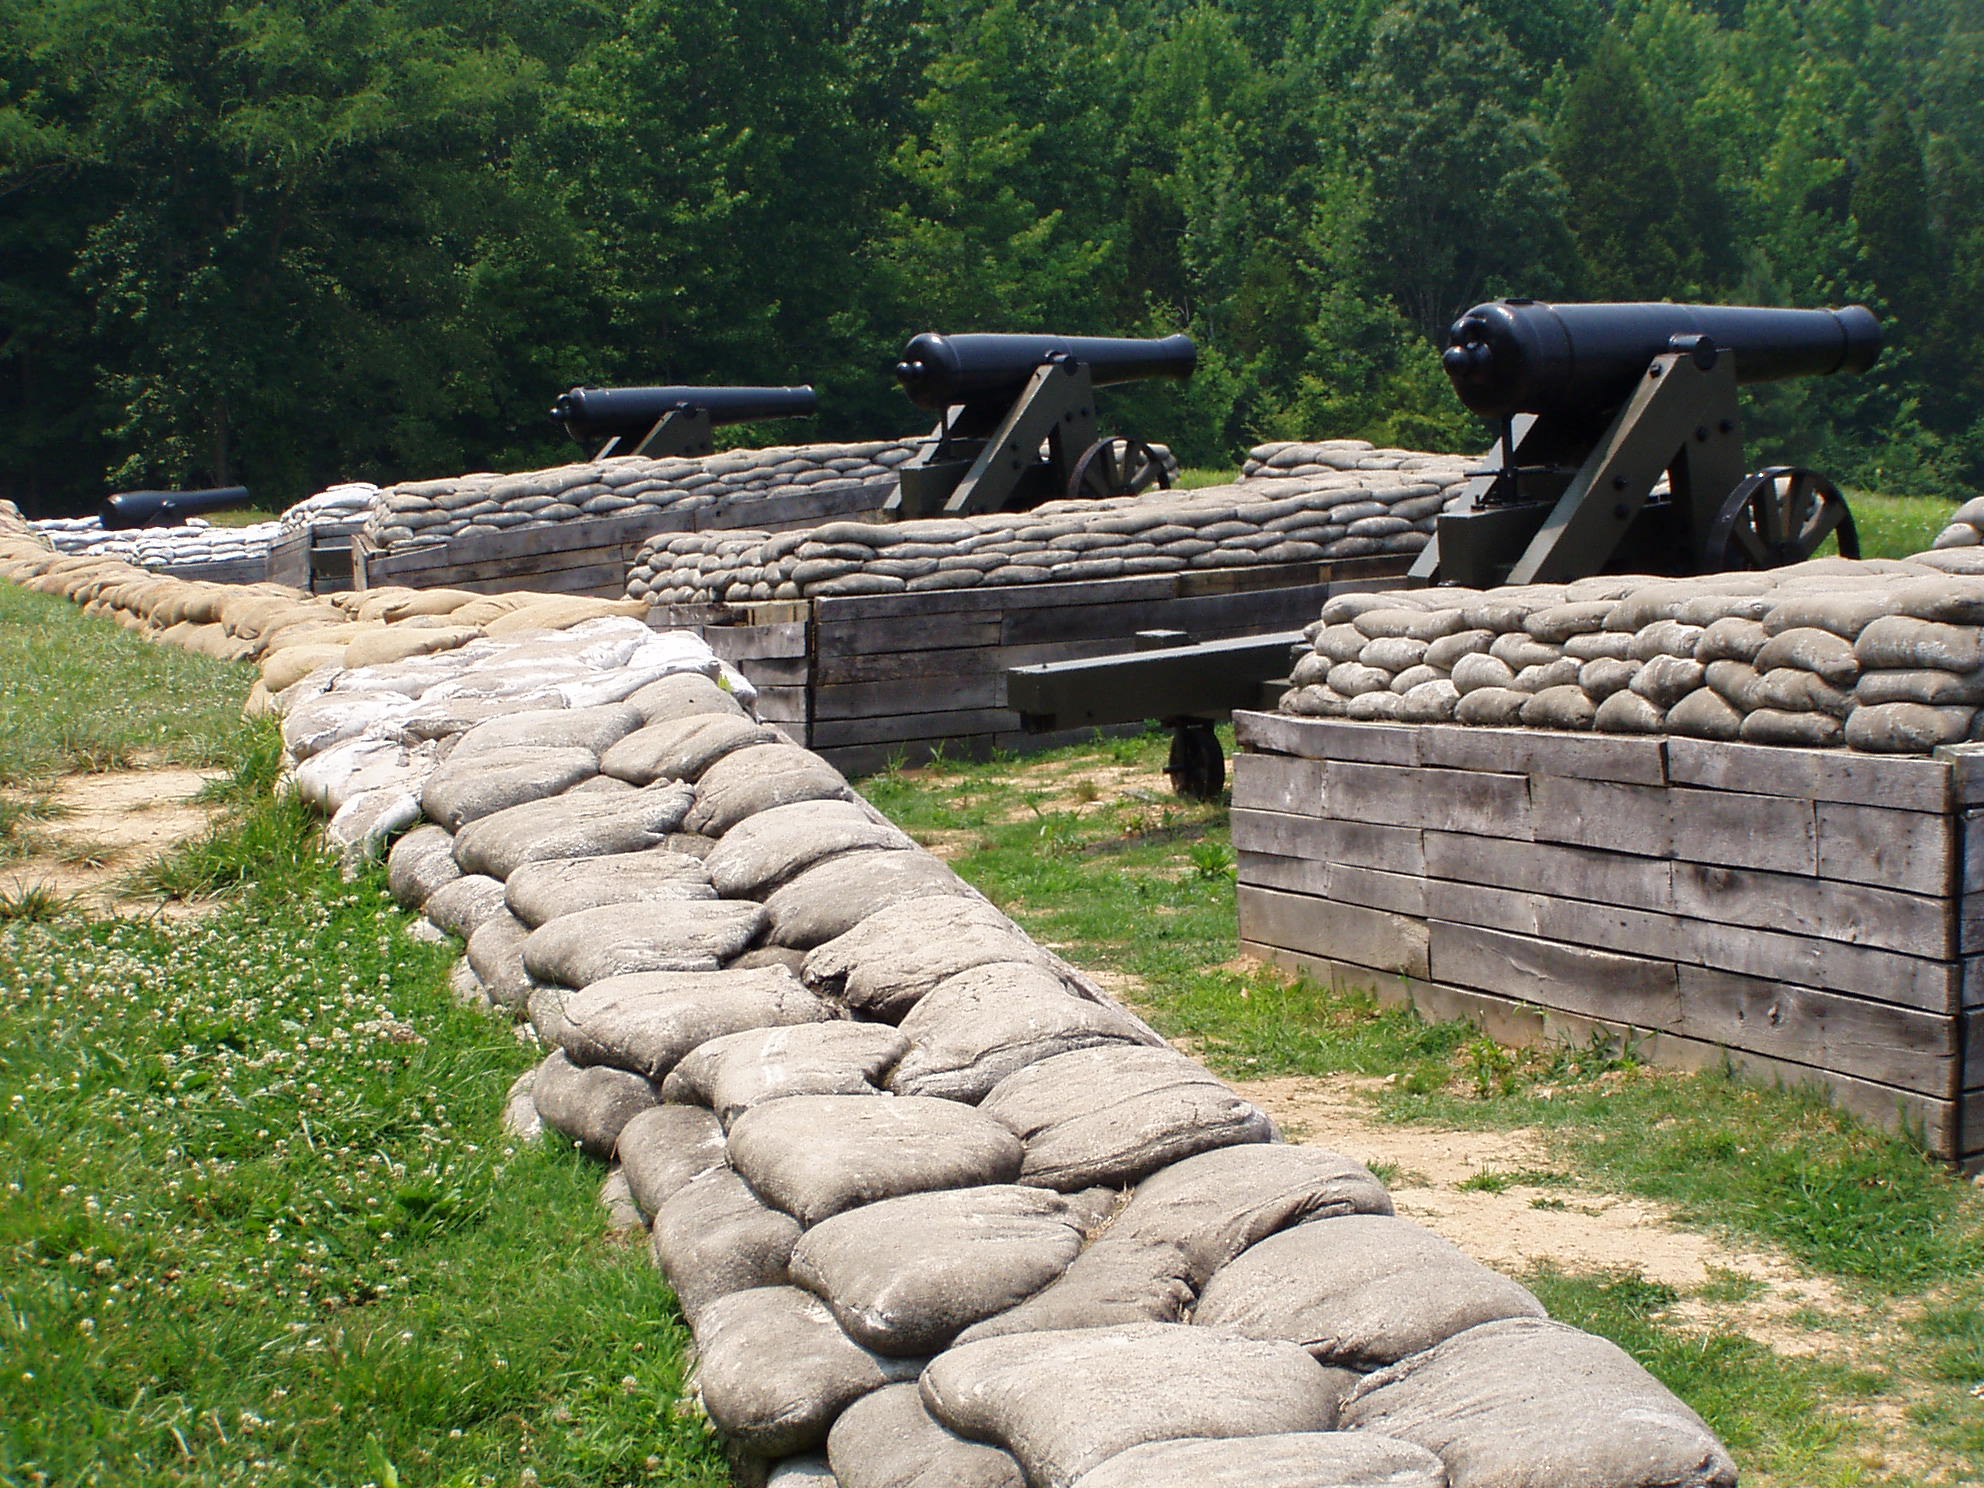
<point x="937" y="371"/>
<point x="1523" y="356"/>
<point x="591" y="413"/>
<point x="128" y="509"/>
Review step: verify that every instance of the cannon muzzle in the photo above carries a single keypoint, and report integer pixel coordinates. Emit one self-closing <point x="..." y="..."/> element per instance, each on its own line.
<point x="129" y="509"/>
<point x="590" y="413"/>
<point x="939" y="371"/>
<point x="1523" y="356"/>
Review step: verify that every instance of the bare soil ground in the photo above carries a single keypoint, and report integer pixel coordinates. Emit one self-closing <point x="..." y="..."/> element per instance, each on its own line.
<point x="100" y="829"/>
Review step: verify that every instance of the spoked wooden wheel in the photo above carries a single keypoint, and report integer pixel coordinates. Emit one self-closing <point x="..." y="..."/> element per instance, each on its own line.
<point x="1117" y="466"/>
<point x="1779" y="516"/>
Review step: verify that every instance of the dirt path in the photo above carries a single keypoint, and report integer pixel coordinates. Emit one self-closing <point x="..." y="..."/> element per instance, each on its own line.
<point x="98" y="830"/>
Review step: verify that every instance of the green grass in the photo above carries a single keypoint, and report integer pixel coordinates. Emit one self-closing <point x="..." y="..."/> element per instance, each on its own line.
<point x="246" y="516"/>
<point x="261" y="1225"/>
<point x="80" y="694"/>
<point x="1139" y="883"/>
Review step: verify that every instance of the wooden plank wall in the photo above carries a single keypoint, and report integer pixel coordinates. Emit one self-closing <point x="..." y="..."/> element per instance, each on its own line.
<point x="1812" y="916"/>
<point x="304" y="561"/>
<point x="593" y="555"/>
<point x="872" y="679"/>
<point x="232" y="571"/>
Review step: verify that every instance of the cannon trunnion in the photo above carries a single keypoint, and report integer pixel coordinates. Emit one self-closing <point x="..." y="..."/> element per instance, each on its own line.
<point x="1006" y="398"/>
<point x="660" y="422"/>
<point x="131" y="509"/>
<point x="1597" y="403"/>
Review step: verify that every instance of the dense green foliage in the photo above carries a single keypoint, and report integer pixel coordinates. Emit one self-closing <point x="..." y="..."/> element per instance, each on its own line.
<point x="292" y="241"/>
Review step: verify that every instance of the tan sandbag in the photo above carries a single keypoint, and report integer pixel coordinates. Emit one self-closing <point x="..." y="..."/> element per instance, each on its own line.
<point x="283" y="669"/>
<point x="213" y="640"/>
<point x="397" y="643"/>
<point x="334" y="632"/>
<point x="373" y="603"/>
<point x="562" y="613"/>
<point x="486" y="607"/>
<point x="260" y="703"/>
<point x="426" y="602"/>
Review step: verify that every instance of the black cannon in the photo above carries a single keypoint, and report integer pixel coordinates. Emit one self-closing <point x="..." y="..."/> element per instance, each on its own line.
<point x="129" y="509"/>
<point x="1018" y="423"/>
<point x="662" y="421"/>
<point x="1597" y="403"/>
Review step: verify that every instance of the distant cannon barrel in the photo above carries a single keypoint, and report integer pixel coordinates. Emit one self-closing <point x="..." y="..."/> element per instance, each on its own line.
<point x="129" y="509"/>
<point x="591" y="413"/>
<point x="938" y="371"/>
<point x="1523" y="356"/>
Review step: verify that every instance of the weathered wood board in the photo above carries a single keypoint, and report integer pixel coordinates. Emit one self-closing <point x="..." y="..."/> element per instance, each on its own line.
<point x="1809" y="916"/>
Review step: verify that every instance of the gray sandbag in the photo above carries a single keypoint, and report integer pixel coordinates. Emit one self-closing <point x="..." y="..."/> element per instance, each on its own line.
<point x="1801" y="730"/>
<point x="664" y="1149"/>
<point x="1818" y="651"/>
<point x="1362" y="1291"/>
<point x="1561" y="706"/>
<point x="757" y="778"/>
<point x="1903" y="643"/>
<point x="880" y="967"/>
<point x="495" y="952"/>
<point x="1736" y="683"/>
<point x="590" y="1106"/>
<point x="1907" y="728"/>
<point x="831" y="898"/>
<point x="1931" y="688"/>
<point x="649" y="1021"/>
<point x="572" y="826"/>
<point x="463" y="903"/>
<point x="888" y="1440"/>
<point x="1705" y="714"/>
<point x="737" y="1071"/>
<point x="576" y="950"/>
<point x="1844" y="612"/>
<point x="808" y="1470"/>
<point x="1791" y="689"/>
<point x="465" y="787"/>
<point x="542" y="891"/>
<point x="1490" y="707"/>
<point x="683" y="695"/>
<point x="1626" y="712"/>
<point x="1665" y="680"/>
<point x="776" y="1369"/>
<point x="713" y="1236"/>
<point x="764" y="851"/>
<point x="973" y="1029"/>
<point x="1184" y="1223"/>
<point x="590" y="729"/>
<point x="1952" y="600"/>
<point x="1064" y="1403"/>
<point x="1529" y="1403"/>
<point x="770" y="955"/>
<point x="816" y="1155"/>
<point x="905" y="1276"/>
<point x="421" y="862"/>
<point x="682" y="748"/>
<point x="1110" y="1115"/>
<point x="1732" y="639"/>
<point x="1302" y="1459"/>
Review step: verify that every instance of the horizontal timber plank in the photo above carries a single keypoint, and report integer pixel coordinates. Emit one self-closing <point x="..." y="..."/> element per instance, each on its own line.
<point x="1627" y="758"/>
<point x="1329" y="738"/>
<point x="1297" y="787"/>
<point x="1327" y="840"/>
<point x="838" y="635"/>
<point x="997" y="598"/>
<point x="956" y="661"/>
<point x="901" y="727"/>
<point x="1569" y="978"/>
<point x="1858" y="914"/>
<point x="1910" y="850"/>
<point x="1370" y="937"/>
<point x="1941" y="1124"/>
<point x="1906" y="782"/>
<point x="1736" y="828"/>
<point x="1453" y="800"/>
<point x="910" y="695"/>
<point x="1551" y="868"/>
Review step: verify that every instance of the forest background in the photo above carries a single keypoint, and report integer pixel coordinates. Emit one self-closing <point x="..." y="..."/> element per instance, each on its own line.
<point x="289" y="242"/>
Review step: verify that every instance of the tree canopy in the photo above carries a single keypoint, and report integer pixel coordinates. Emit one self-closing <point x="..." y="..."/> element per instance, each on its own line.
<point x="295" y="241"/>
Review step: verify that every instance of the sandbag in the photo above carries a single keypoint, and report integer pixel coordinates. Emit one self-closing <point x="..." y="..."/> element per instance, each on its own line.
<point x="888" y="1440"/>
<point x="880" y="966"/>
<point x="1110" y="1115"/>
<point x="683" y="695"/>
<point x="1362" y="1291"/>
<point x="648" y="1021"/>
<point x="905" y="1276"/>
<point x="973" y="1029"/>
<point x="1529" y="1403"/>
<point x="543" y="891"/>
<point x="831" y="898"/>
<point x="465" y="787"/>
<point x="1064" y="1403"/>
<point x="816" y="1155"/>
<point x="682" y="748"/>
<point x="419" y="864"/>
<point x="757" y="778"/>
<point x="576" y="950"/>
<point x="495" y="951"/>
<point x="664" y="1149"/>
<point x="1304" y="1459"/>
<point x="737" y="1071"/>
<point x="591" y="729"/>
<point x="571" y="827"/>
<point x="713" y="1236"/>
<point x="463" y="903"/>
<point x="763" y="851"/>
<point x="1182" y="1224"/>
<point x="776" y="1369"/>
<point x="590" y="1106"/>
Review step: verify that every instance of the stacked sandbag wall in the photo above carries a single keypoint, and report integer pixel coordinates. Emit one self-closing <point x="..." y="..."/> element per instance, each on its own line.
<point x="936" y="1209"/>
<point x="1326" y="513"/>
<point x="197" y="543"/>
<point x="1965" y="528"/>
<point x="1884" y="656"/>
<point x="432" y="511"/>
